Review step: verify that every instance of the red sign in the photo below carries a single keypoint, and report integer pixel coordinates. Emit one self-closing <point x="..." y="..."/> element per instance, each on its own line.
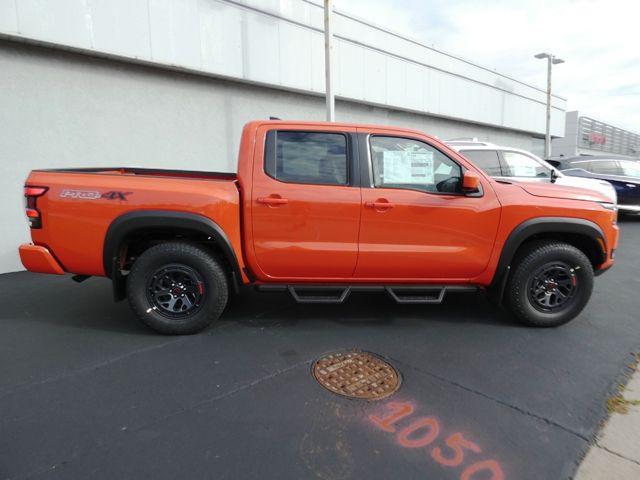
<point x="597" y="138"/>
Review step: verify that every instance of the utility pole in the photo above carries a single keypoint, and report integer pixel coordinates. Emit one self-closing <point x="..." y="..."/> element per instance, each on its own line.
<point x="551" y="60"/>
<point x="328" y="46"/>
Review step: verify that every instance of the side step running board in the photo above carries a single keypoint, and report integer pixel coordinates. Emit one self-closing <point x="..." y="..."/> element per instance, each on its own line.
<point x="417" y="294"/>
<point x="407" y="294"/>
<point x="318" y="294"/>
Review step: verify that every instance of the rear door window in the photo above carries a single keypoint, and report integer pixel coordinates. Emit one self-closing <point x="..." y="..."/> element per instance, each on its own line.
<point x="308" y="157"/>
<point x="486" y="160"/>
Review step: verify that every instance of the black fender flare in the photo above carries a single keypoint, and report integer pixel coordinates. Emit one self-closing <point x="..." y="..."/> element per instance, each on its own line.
<point x="127" y="223"/>
<point x="536" y="226"/>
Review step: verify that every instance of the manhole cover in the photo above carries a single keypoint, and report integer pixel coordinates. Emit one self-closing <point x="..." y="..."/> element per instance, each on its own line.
<point x="357" y="375"/>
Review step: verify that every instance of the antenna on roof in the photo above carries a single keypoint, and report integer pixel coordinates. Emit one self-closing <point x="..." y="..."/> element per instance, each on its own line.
<point x="274" y="118"/>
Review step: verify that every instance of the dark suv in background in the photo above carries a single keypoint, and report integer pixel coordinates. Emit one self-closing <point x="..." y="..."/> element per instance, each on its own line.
<point x="623" y="174"/>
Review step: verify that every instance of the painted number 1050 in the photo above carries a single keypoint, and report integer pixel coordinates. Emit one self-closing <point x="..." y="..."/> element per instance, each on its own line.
<point x="424" y="431"/>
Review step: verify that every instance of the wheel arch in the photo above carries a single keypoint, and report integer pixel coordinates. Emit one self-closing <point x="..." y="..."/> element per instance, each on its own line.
<point x="165" y="225"/>
<point x="583" y="234"/>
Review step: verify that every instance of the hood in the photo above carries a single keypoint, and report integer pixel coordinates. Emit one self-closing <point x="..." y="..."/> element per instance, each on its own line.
<point x="565" y="192"/>
<point x="602" y="186"/>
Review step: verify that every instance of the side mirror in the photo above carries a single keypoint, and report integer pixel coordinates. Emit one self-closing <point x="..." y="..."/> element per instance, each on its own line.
<point x="470" y="182"/>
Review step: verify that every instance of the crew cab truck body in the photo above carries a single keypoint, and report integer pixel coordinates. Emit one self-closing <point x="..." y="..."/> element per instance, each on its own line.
<point x="321" y="210"/>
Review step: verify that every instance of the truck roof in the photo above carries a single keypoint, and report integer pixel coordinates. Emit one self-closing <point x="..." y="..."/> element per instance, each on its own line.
<point x="321" y="124"/>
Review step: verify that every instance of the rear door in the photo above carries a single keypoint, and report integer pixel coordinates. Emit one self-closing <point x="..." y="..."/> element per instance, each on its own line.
<point x="305" y="203"/>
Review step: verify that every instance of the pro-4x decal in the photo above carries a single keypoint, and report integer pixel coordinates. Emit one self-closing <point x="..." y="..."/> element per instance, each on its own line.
<point x="94" y="195"/>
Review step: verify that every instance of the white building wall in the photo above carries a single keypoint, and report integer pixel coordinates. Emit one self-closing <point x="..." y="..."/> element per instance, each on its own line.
<point x="279" y="43"/>
<point x="567" y="146"/>
<point x="62" y="109"/>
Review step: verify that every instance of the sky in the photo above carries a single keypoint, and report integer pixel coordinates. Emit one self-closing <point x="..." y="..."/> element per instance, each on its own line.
<point x="598" y="39"/>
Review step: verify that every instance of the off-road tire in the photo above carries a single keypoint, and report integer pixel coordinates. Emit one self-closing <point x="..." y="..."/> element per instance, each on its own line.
<point x="191" y="257"/>
<point x="535" y="256"/>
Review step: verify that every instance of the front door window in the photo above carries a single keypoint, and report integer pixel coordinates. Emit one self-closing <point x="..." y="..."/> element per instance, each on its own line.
<point x="413" y="165"/>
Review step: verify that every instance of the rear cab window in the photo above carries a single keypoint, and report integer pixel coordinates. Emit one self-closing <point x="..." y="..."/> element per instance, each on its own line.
<point x="317" y="158"/>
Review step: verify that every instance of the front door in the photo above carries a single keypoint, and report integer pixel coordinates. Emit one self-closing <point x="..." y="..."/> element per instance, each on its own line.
<point x="305" y="205"/>
<point x="416" y="223"/>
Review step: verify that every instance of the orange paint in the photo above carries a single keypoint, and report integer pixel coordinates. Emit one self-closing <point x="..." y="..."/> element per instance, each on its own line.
<point x="399" y="411"/>
<point x="489" y="465"/>
<point x="457" y="443"/>
<point x="74" y="229"/>
<point x="311" y="233"/>
<point x="423" y="432"/>
<point x="422" y="441"/>
<point x="38" y="259"/>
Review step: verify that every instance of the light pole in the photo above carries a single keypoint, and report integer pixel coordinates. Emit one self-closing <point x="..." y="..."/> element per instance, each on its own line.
<point x="328" y="45"/>
<point x="551" y="60"/>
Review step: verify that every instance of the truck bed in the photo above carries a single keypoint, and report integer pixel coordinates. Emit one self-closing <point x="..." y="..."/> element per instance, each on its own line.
<point x="80" y="205"/>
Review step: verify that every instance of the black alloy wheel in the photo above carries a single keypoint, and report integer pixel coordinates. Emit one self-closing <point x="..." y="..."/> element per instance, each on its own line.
<point x="176" y="290"/>
<point x="550" y="283"/>
<point x="552" y="287"/>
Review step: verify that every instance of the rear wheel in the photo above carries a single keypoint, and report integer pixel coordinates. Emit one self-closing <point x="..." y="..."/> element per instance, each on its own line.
<point x="177" y="288"/>
<point x="550" y="285"/>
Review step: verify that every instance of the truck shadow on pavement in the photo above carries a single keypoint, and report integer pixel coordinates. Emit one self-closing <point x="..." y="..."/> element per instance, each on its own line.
<point x="359" y="309"/>
<point x="59" y="302"/>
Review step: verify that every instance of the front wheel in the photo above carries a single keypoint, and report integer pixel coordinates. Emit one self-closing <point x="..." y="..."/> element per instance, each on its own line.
<point x="550" y="285"/>
<point x="177" y="288"/>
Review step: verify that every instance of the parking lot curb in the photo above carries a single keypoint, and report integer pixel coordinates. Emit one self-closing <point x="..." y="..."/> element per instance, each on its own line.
<point x="616" y="451"/>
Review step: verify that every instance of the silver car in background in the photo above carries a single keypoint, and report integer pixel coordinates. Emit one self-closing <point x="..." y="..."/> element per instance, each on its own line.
<point x="509" y="163"/>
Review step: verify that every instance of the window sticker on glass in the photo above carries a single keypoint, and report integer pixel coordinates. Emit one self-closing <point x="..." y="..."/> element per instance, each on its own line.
<point x="402" y="166"/>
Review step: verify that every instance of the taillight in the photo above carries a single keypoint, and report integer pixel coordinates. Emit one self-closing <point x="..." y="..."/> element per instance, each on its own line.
<point x="31" y="195"/>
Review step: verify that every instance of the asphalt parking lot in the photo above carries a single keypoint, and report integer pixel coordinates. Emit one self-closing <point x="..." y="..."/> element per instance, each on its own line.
<point x="87" y="392"/>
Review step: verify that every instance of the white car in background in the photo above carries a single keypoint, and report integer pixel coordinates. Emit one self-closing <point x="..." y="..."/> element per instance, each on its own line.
<point x="507" y="163"/>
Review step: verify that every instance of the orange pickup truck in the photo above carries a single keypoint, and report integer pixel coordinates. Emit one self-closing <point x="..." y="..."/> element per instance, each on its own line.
<point x="321" y="210"/>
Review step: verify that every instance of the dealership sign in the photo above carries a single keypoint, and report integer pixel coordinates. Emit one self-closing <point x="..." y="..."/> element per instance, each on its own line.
<point x="597" y="138"/>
